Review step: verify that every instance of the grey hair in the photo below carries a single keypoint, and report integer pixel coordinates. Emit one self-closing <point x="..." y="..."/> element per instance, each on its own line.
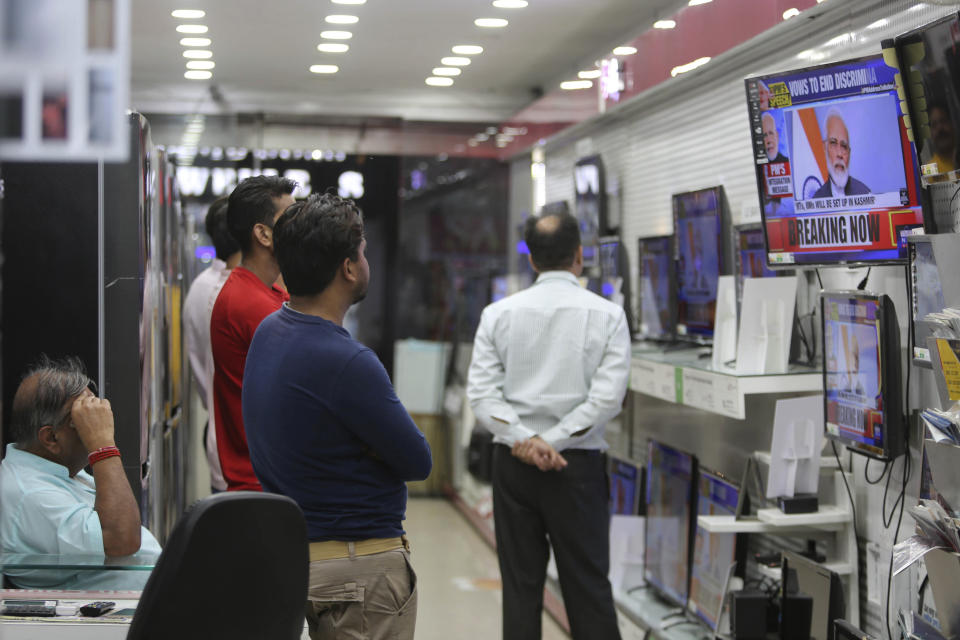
<point x="36" y="406"/>
<point x="833" y="112"/>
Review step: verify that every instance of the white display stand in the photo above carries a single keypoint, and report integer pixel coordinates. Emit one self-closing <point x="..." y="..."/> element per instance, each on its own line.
<point x="763" y="346"/>
<point x="684" y="378"/>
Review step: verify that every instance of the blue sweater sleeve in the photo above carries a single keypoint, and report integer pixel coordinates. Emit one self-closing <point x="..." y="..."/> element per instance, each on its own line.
<point x="372" y="410"/>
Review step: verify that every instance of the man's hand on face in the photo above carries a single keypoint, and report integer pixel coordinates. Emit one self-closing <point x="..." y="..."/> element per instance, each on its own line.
<point x="93" y="420"/>
<point x="539" y="453"/>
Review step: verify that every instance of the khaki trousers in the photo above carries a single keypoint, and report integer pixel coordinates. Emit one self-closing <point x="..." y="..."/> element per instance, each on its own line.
<point x="370" y="597"/>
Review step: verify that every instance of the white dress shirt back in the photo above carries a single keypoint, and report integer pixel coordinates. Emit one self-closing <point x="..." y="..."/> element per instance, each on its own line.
<point x="552" y="360"/>
<point x="197" y="309"/>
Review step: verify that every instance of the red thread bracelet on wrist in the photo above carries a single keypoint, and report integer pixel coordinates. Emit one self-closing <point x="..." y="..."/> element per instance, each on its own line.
<point x="102" y="454"/>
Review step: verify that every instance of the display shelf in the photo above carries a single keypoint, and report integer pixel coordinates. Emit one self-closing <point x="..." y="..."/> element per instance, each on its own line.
<point x="729" y="524"/>
<point x="828" y="517"/>
<point x="685" y="378"/>
<point x="827" y="464"/>
<point x="839" y="567"/>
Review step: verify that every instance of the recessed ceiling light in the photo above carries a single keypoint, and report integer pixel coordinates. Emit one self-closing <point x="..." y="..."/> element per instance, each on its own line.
<point x="192" y="28"/>
<point x="491" y="23"/>
<point x="342" y="19"/>
<point x="490" y="131"/>
<point x="467" y="49"/>
<point x="624" y="51"/>
<point x="664" y="24"/>
<point x="195" y="42"/>
<point x="201" y="64"/>
<point x="446" y="71"/>
<point x="349" y="1"/>
<point x="197" y="75"/>
<point x="571" y="85"/>
<point x="188" y="14"/>
<point x="454" y="61"/>
<point x="333" y="47"/>
<point x="694" y="3"/>
<point x="200" y="54"/>
<point x="336" y="35"/>
<point x="589" y="74"/>
<point x="324" y="68"/>
<point x="482" y="137"/>
<point x="510" y="4"/>
<point x="791" y="12"/>
<point x="433" y="81"/>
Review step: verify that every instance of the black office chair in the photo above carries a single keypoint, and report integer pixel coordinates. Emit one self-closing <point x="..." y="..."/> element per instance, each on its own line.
<point x="236" y="566"/>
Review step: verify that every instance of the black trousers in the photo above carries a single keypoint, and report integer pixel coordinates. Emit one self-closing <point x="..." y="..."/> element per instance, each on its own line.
<point x="570" y="508"/>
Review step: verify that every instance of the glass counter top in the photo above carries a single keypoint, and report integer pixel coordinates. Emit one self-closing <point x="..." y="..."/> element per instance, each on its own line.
<point x="698" y="358"/>
<point x="77" y="562"/>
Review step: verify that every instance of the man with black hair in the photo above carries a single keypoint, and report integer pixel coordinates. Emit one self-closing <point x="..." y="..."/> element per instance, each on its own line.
<point x="197" y="310"/>
<point x="325" y="428"/>
<point x="247" y="297"/>
<point x="549" y="370"/>
<point x="48" y="503"/>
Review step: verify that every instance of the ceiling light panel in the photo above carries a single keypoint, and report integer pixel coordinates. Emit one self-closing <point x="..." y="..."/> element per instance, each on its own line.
<point x="572" y="85"/>
<point x="446" y="71"/>
<point x="665" y="24"/>
<point x="467" y="49"/>
<point x="349" y="1"/>
<point x="589" y="74"/>
<point x="195" y="42"/>
<point x="201" y="64"/>
<point x="192" y="28"/>
<point x="198" y="54"/>
<point x="491" y="23"/>
<point x="342" y="19"/>
<point x="197" y="75"/>
<point x="434" y="81"/>
<point x="510" y="4"/>
<point x="454" y="61"/>
<point x="188" y="14"/>
<point x="333" y="47"/>
<point x="336" y="35"/>
<point x="324" y="68"/>
<point x="624" y="51"/>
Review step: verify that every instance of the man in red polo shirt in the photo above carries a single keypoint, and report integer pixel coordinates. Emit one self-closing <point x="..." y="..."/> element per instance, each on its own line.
<point x="248" y="296"/>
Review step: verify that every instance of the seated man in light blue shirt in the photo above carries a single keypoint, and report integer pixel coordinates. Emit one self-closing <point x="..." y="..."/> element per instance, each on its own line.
<point x="48" y="504"/>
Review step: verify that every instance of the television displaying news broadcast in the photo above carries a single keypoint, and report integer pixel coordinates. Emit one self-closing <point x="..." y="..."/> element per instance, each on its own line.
<point x="656" y="264"/>
<point x="697" y="218"/>
<point x="752" y="255"/>
<point x="837" y="175"/>
<point x="854" y="400"/>
<point x="713" y="553"/>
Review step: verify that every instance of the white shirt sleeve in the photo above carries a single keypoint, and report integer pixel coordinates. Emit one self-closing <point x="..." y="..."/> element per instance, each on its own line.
<point x="605" y="397"/>
<point x="485" y="387"/>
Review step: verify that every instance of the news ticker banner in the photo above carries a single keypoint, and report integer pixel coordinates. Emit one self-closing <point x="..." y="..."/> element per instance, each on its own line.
<point x="880" y="229"/>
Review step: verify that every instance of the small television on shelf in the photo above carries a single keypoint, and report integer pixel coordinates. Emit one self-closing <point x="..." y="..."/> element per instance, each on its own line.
<point x="627" y="483"/>
<point x="716" y="556"/>
<point x="701" y="223"/>
<point x="863" y="407"/>
<point x="668" y="532"/>
<point x="930" y="59"/>
<point x="750" y="255"/>
<point x="801" y="575"/>
<point x="657" y="288"/>
<point x="926" y="295"/>
<point x="590" y="206"/>
<point x="837" y="174"/>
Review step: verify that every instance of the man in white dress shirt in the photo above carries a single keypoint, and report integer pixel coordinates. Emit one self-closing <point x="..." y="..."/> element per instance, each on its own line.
<point x="197" y="309"/>
<point x="549" y="369"/>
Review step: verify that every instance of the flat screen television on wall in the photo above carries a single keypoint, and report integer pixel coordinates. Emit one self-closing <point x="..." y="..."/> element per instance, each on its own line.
<point x="837" y="172"/>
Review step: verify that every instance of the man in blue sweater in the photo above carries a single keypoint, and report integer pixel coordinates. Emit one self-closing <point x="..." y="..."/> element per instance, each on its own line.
<point x="325" y="428"/>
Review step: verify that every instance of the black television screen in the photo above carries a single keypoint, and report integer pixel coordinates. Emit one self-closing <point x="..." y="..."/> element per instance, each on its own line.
<point x="802" y="575"/>
<point x="591" y="204"/>
<point x="612" y="282"/>
<point x="700" y="225"/>
<point x="670" y="505"/>
<point x="713" y="553"/>
<point x="657" y="288"/>
<point x="861" y="373"/>
<point x="626" y="486"/>
<point x="930" y="58"/>
<point x="837" y="173"/>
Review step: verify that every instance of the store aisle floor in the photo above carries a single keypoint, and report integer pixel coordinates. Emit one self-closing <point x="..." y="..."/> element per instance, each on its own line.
<point x="459" y="592"/>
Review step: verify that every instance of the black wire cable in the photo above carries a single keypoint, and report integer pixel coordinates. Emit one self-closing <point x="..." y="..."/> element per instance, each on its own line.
<point x="896" y="533"/>
<point x="853" y="506"/>
<point x="817" y="271"/>
<point x="866" y="476"/>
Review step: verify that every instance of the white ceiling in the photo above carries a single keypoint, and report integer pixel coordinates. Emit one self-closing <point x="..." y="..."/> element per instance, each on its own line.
<point x="264" y="48"/>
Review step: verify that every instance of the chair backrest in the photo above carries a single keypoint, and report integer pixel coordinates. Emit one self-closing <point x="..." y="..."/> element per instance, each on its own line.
<point x="236" y="566"/>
